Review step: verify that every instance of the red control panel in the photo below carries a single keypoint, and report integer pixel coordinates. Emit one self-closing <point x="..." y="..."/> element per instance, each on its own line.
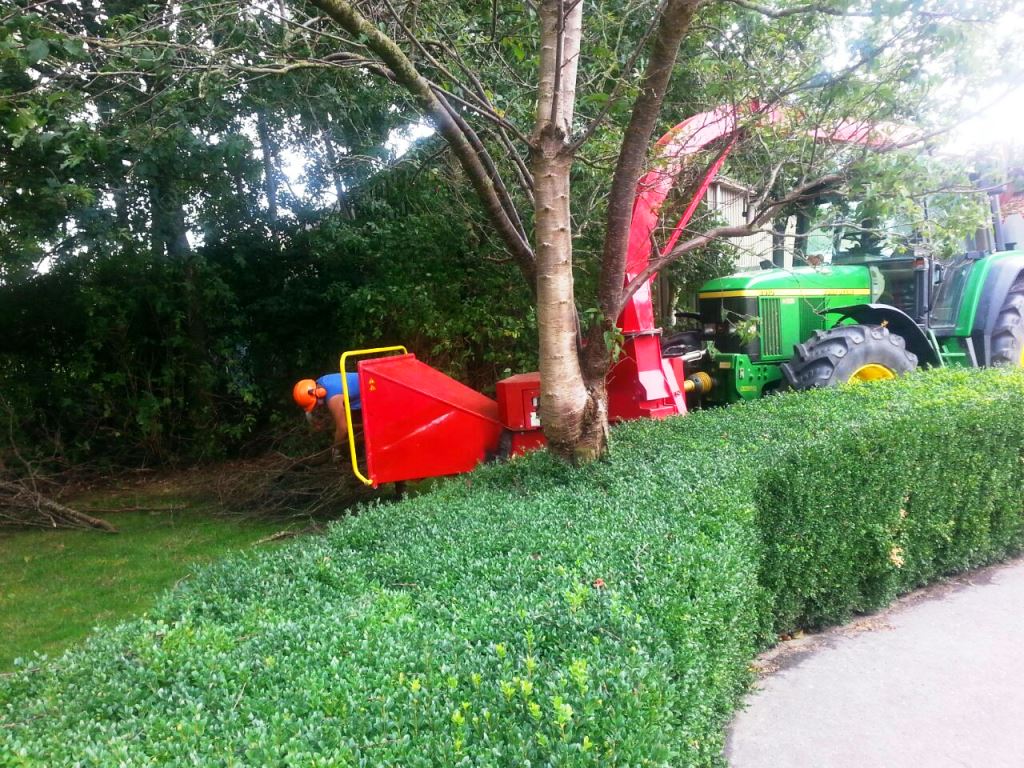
<point x="519" y="402"/>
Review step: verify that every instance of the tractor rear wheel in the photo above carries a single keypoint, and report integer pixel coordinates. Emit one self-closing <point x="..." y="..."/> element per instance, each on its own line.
<point x="1008" y="333"/>
<point x="848" y="353"/>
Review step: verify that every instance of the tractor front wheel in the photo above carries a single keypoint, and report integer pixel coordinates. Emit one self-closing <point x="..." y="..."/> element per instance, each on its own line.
<point x="848" y="353"/>
<point x="1008" y="333"/>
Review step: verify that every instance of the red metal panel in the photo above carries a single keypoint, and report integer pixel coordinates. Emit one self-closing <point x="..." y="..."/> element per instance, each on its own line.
<point x="642" y="384"/>
<point x="419" y="423"/>
<point x="524" y="442"/>
<point x="671" y="152"/>
<point x="519" y="401"/>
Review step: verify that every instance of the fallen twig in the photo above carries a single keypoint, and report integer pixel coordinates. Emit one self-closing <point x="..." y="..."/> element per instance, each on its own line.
<point x="291" y="533"/>
<point x="23" y="505"/>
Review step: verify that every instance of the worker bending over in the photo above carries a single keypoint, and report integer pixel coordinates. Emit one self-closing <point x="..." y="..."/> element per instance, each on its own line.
<point x="327" y="391"/>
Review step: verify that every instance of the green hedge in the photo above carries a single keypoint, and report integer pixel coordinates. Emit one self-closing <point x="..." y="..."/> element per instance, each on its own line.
<point x="534" y="614"/>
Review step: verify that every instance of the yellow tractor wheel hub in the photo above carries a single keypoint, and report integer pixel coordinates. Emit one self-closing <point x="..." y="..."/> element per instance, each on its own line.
<point x="872" y="372"/>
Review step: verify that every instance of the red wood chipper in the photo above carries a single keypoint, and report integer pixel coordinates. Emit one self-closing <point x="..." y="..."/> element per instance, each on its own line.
<point x="419" y="423"/>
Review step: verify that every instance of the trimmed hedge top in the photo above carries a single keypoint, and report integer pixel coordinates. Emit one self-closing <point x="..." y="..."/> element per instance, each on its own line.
<point x="536" y="614"/>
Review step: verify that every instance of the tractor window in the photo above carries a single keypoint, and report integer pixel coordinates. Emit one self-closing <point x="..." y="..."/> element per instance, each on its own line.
<point x="949" y="293"/>
<point x="897" y="283"/>
<point x="843" y="231"/>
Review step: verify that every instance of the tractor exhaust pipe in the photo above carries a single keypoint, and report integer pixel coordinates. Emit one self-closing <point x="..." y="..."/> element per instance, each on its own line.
<point x="997" y="221"/>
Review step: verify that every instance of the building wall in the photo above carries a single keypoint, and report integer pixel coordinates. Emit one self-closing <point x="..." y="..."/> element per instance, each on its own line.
<point x="731" y="202"/>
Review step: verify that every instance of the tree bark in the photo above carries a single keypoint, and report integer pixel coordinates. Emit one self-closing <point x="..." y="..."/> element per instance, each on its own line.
<point x="156" y="227"/>
<point x="779" y="242"/>
<point x="339" y="187"/>
<point x="176" y="230"/>
<point x="168" y="229"/>
<point x="803" y="223"/>
<point x="674" y="23"/>
<point x="569" y="410"/>
<point x="270" y="179"/>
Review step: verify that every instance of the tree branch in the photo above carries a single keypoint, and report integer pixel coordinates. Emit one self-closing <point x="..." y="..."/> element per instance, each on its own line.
<point x="803" y="192"/>
<point x="675" y="19"/>
<point x="824" y="8"/>
<point x="352" y="21"/>
<point x="829" y="9"/>
<point x="616" y="93"/>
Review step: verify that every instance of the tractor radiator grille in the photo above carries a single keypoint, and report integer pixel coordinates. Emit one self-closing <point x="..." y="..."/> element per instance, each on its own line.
<point x="771" y="327"/>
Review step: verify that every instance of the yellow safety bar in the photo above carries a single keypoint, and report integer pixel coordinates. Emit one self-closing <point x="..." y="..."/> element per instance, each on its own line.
<point x="348" y="408"/>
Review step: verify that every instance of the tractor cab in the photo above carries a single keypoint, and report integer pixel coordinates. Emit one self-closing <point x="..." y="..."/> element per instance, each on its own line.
<point x="901" y="281"/>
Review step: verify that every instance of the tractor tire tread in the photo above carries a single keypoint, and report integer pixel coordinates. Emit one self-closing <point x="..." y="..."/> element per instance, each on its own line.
<point x="1008" y="333"/>
<point x="821" y="361"/>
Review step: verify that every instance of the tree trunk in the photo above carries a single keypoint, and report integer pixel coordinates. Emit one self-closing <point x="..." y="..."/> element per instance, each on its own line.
<point x="176" y="230"/>
<point x="574" y="416"/>
<point x="120" y="194"/>
<point x="168" y="230"/>
<point x="339" y="188"/>
<point x="676" y="16"/>
<point x="779" y="242"/>
<point x="270" y="177"/>
<point x="156" y="227"/>
<point x="563" y="395"/>
<point x="803" y="225"/>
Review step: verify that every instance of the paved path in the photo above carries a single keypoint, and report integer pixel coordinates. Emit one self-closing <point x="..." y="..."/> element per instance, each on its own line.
<point x="937" y="681"/>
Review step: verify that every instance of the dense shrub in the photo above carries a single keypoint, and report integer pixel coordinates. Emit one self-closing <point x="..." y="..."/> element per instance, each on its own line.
<point x="122" y="359"/>
<point x="535" y="614"/>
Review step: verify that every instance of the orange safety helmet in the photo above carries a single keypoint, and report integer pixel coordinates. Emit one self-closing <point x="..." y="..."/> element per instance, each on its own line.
<point x="307" y="394"/>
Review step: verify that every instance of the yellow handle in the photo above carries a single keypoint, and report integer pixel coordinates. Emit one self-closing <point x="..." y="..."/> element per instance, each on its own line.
<point x="348" y="408"/>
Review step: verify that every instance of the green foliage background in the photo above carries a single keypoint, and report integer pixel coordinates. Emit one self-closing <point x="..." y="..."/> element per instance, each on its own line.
<point x="125" y="359"/>
<point x="536" y="613"/>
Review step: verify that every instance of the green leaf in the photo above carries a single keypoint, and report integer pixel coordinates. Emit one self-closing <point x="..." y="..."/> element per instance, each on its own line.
<point x="74" y="47"/>
<point x="36" y="50"/>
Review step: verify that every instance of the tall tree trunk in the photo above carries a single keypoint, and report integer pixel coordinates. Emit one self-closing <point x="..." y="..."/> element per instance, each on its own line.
<point x="676" y="16"/>
<point x="120" y="194"/>
<point x="168" y="230"/>
<point x="339" y="187"/>
<point x="175" y="230"/>
<point x="270" y="175"/>
<point x="803" y="225"/>
<point x="156" y="227"/>
<point x="779" y="242"/>
<point x="568" y="409"/>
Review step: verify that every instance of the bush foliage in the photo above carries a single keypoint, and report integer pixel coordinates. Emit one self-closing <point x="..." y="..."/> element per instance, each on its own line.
<point x="536" y="614"/>
<point x="122" y="359"/>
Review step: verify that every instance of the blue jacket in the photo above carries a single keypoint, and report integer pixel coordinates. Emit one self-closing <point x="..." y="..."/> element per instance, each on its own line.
<point x="332" y="383"/>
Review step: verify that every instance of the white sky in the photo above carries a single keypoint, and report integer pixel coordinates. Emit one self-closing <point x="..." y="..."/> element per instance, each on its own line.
<point x="293" y="159"/>
<point x="994" y="114"/>
<point x="997" y="111"/>
<point x="999" y="124"/>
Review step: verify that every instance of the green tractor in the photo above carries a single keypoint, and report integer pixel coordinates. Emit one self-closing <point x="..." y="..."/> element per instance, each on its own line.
<point x="857" y="319"/>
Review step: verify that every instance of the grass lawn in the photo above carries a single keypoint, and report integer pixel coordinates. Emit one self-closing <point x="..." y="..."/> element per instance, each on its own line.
<point x="55" y="586"/>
